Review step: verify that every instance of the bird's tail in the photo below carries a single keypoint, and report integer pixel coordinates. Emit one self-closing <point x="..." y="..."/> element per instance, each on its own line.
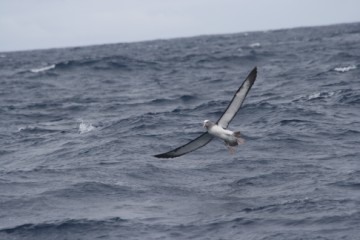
<point x="239" y="139"/>
<point x="237" y="134"/>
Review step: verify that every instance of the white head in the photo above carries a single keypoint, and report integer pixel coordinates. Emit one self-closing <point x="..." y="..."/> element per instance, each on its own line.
<point x="207" y="124"/>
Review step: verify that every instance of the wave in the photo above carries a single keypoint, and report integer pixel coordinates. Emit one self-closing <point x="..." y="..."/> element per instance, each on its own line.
<point x="343" y="96"/>
<point x="183" y="98"/>
<point x="350" y="181"/>
<point x="107" y="63"/>
<point x="92" y="188"/>
<point x="85" y="127"/>
<point x="320" y="95"/>
<point x="255" y="45"/>
<point x="297" y="203"/>
<point x="61" y="225"/>
<point x="349" y="96"/>
<point x="35" y="129"/>
<point x="206" y="60"/>
<point x="266" y="179"/>
<point x="294" y="122"/>
<point x="43" y="69"/>
<point x="345" y="69"/>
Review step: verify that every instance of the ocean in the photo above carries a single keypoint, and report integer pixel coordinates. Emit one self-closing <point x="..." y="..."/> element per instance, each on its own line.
<point x="79" y="127"/>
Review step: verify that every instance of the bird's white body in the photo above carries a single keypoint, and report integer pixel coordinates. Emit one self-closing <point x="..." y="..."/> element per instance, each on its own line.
<point x="231" y="139"/>
<point x="224" y="134"/>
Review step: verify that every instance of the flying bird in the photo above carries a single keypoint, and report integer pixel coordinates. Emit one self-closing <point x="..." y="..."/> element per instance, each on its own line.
<point x="219" y="129"/>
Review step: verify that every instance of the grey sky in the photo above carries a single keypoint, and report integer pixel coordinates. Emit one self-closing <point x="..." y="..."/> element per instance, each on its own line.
<point x="33" y="24"/>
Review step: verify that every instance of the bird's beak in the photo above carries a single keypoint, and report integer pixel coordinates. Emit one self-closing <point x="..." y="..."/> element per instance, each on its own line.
<point x="203" y="125"/>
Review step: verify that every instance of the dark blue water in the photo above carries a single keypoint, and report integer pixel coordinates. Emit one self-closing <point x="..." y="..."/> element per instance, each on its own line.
<point x="79" y="126"/>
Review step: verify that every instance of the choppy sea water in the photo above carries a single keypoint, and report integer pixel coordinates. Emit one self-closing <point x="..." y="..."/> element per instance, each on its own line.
<point x="79" y="126"/>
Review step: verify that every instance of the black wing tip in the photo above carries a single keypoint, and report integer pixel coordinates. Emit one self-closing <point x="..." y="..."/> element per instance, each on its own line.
<point x="253" y="74"/>
<point x="162" y="155"/>
<point x="167" y="155"/>
<point x="204" y="138"/>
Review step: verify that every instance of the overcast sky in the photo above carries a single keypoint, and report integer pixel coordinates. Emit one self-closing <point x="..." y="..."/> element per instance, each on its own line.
<point x="34" y="24"/>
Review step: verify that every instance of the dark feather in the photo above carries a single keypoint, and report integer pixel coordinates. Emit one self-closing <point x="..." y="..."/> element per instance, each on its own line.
<point x="199" y="142"/>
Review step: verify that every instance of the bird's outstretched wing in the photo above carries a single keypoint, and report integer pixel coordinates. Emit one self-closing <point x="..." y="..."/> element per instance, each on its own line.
<point x="237" y="100"/>
<point x="199" y="142"/>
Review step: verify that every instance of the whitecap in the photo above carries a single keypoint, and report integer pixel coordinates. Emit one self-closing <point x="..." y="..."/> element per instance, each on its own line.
<point x="320" y="95"/>
<point x="314" y="95"/>
<point x="254" y="45"/>
<point x="46" y="68"/>
<point x="345" y="69"/>
<point x="85" y="127"/>
<point x="22" y="128"/>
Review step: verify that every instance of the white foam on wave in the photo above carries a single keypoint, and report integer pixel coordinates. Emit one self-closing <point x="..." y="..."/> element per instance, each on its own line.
<point x="22" y="128"/>
<point x="85" y="127"/>
<point x="345" y="69"/>
<point x="254" y="45"/>
<point x="314" y="95"/>
<point x="46" y="68"/>
<point x="321" y="95"/>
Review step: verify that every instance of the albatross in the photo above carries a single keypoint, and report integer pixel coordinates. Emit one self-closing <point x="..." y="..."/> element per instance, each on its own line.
<point x="219" y="129"/>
